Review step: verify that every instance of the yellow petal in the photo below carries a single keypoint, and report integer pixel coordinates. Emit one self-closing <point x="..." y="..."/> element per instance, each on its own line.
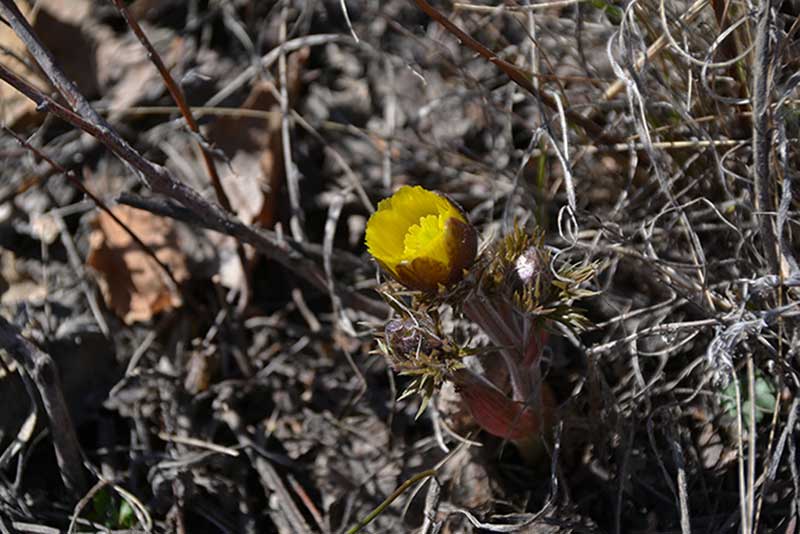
<point x="426" y="239"/>
<point x="421" y="238"/>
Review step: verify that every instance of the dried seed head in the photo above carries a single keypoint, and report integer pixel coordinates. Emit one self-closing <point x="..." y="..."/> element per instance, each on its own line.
<point x="517" y="270"/>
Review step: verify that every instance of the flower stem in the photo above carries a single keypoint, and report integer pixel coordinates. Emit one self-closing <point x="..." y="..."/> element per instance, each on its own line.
<point x="482" y="311"/>
<point x="391" y="498"/>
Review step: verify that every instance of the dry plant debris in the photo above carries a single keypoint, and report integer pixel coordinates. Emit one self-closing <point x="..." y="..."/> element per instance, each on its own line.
<point x="134" y="286"/>
<point x="653" y="142"/>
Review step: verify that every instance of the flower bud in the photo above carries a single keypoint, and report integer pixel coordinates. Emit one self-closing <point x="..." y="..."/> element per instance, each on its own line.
<point x="422" y="239"/>
<point x="531" y="272"/>
<point x="405" y="338"/>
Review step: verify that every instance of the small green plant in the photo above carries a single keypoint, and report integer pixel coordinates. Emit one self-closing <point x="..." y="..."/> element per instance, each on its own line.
<point x="111" y="511"/>
<point x="765" y="393"/>
<point x="612" y="12"/>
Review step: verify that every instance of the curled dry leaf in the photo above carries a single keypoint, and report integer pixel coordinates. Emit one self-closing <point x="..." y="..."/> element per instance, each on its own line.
<point x="252" y="181"/>
<point x="133" y="284"/>
<point x="254" y="175"/>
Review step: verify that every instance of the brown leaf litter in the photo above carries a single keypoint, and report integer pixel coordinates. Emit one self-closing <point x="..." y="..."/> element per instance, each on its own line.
<point x="132" y="283"/>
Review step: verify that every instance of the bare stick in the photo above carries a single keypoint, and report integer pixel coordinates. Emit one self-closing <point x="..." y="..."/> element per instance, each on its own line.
<point x="764" y="188"/>
<point x="41" y="368"/>
<point x="292" y="179"/>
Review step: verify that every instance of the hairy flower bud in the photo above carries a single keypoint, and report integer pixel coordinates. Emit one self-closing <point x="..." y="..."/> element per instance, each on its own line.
<point x="531" y="273"/>
<point x="405" y="337"/>
<point x="413" y="347"/>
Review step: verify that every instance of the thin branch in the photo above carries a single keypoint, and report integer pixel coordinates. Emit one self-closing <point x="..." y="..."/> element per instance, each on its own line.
<point x="764" y="187"/>
<point x="41" y="368"/>
<point x="296" y="217"/>
<point x="180" y="100"/>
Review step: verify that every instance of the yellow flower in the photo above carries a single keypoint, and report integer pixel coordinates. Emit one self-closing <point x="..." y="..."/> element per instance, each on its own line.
<point x="421" y="238"/>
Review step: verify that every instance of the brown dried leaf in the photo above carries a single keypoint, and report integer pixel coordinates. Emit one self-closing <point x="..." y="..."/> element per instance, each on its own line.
<point x="253" y="178"/>
<point x="253" y="144"/>
<point x="252" y="182"/>
<point x="133" y="285"/>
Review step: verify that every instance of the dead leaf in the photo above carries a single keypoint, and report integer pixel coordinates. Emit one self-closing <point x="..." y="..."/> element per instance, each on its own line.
<point x="253" y="145"/>
<point x="253" y="178"/>
<point x="243" y="183"/>
<point x="133" y="285"/>
<point x="230" y="273"/>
